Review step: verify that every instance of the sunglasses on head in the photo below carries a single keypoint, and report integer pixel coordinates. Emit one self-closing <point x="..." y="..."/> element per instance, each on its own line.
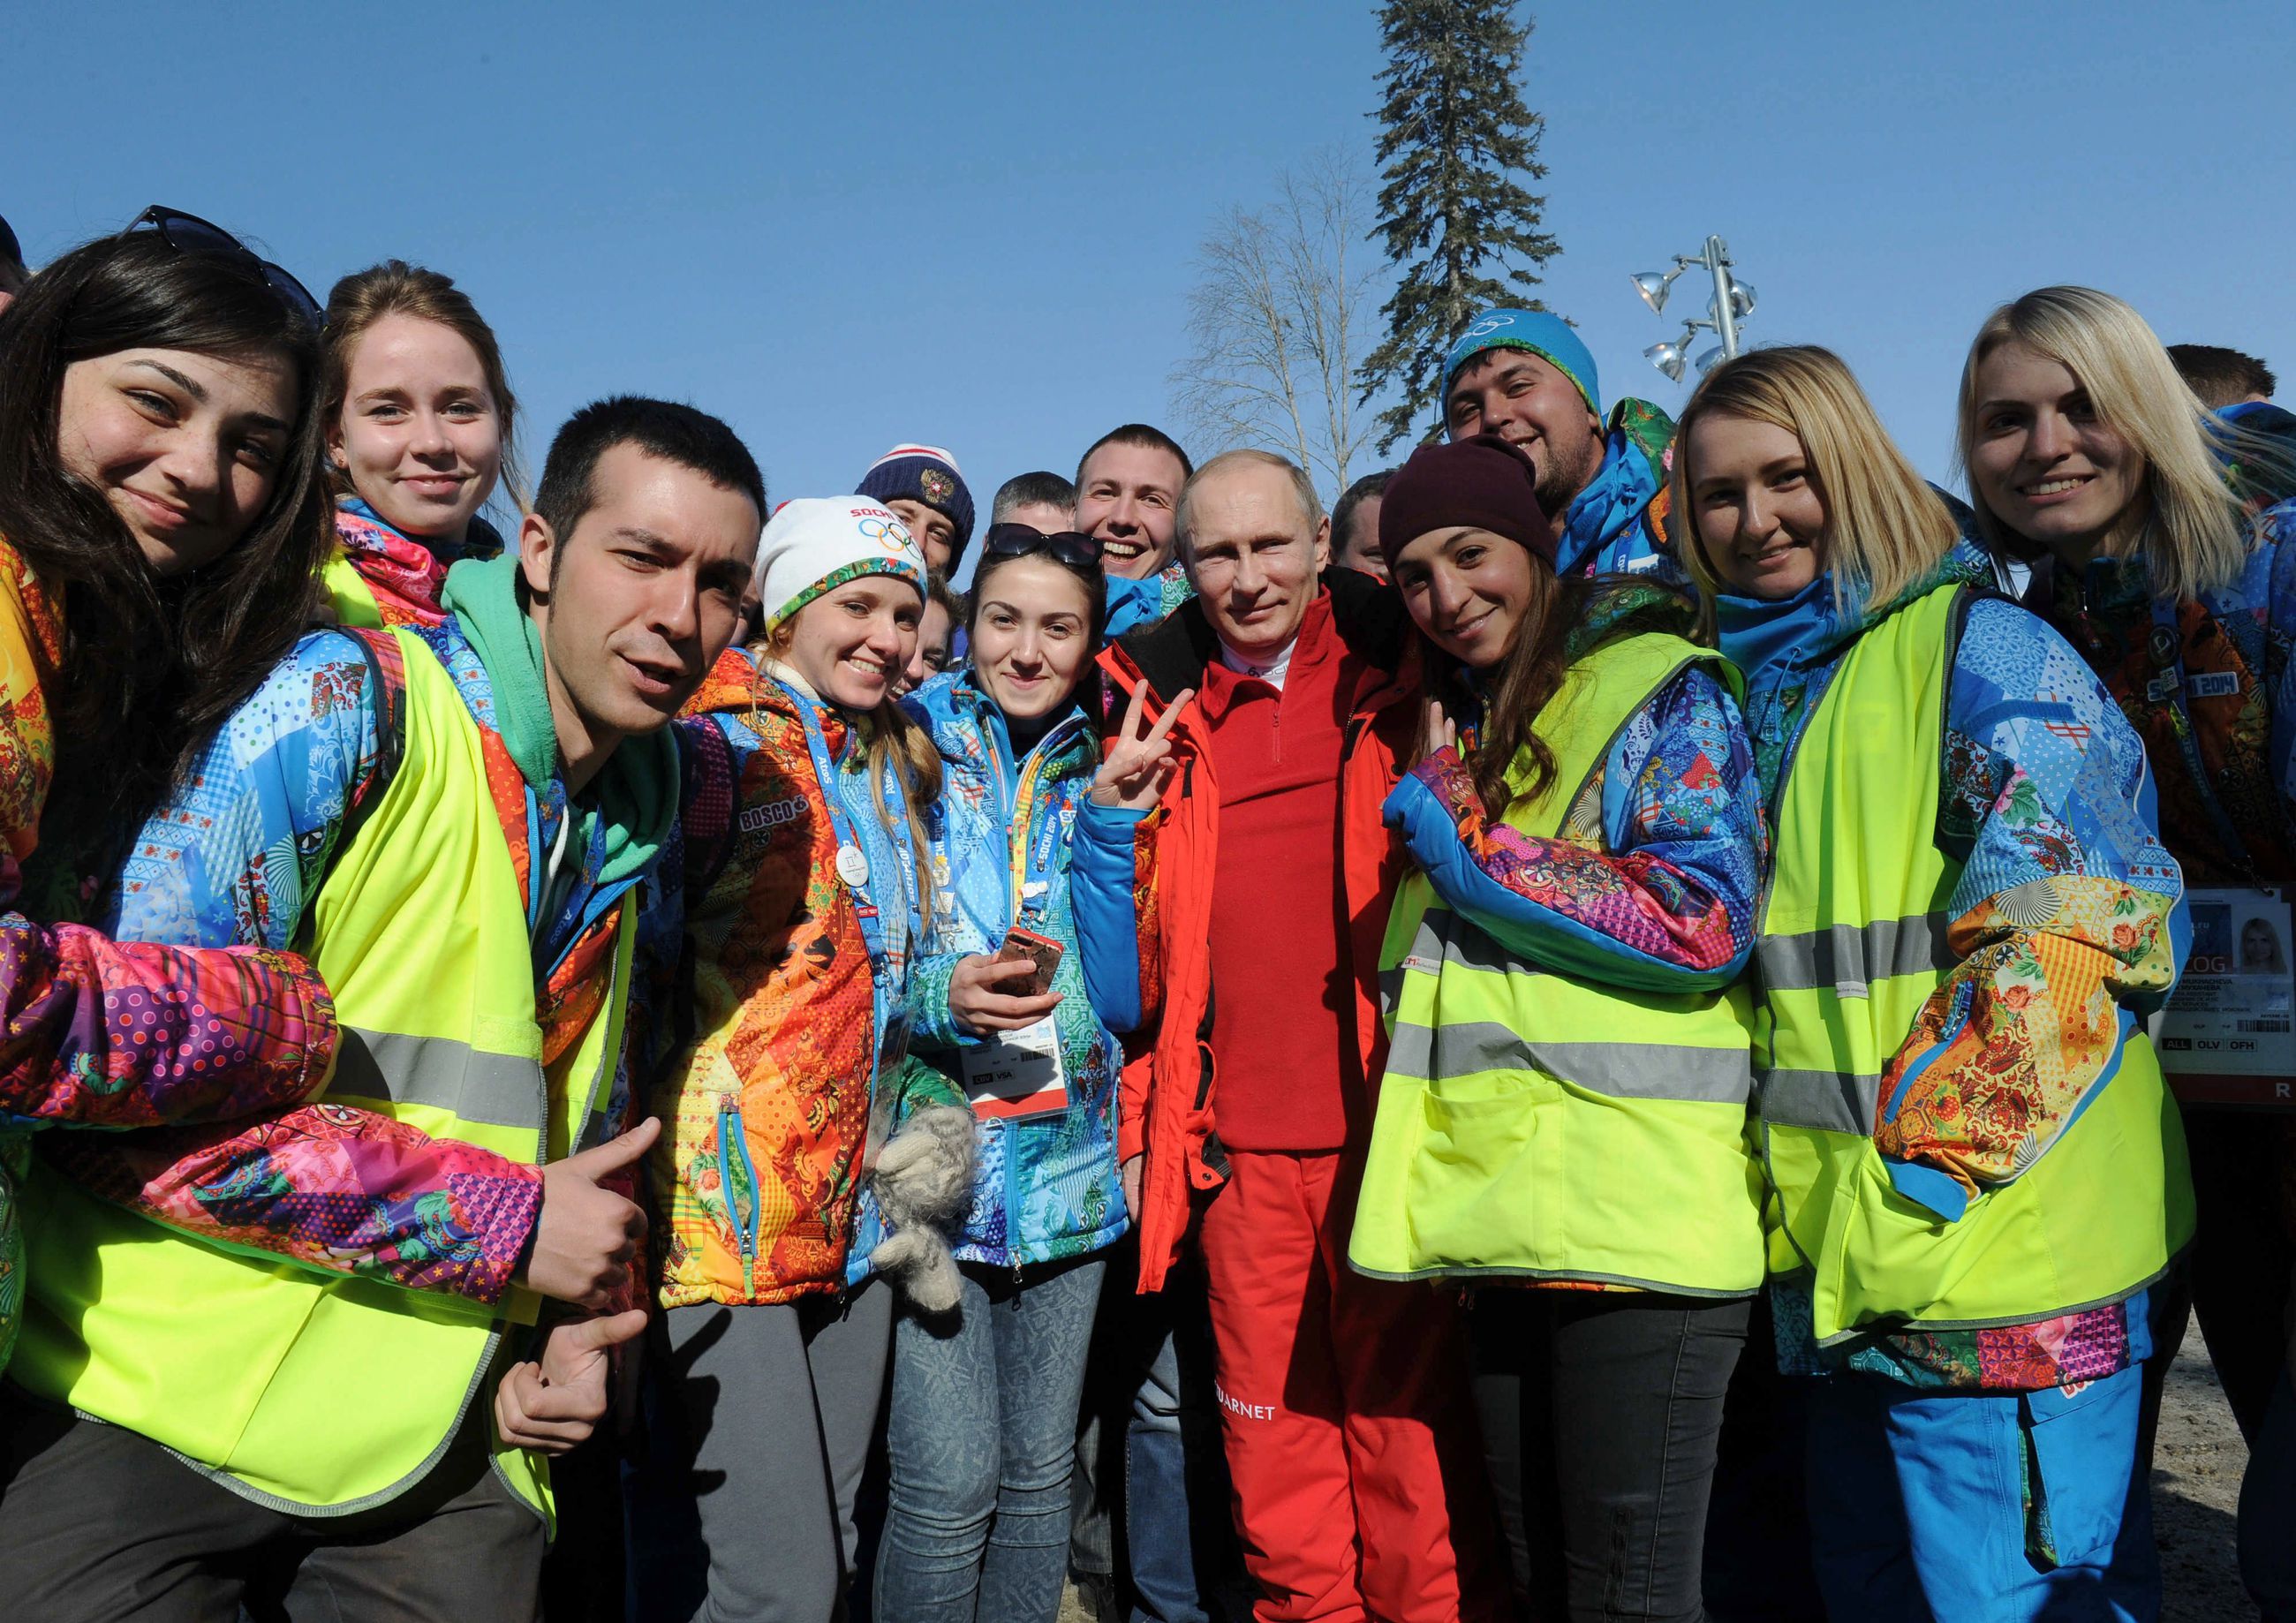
<point x="1020" y="541"/>
<point x="188" y="234"/>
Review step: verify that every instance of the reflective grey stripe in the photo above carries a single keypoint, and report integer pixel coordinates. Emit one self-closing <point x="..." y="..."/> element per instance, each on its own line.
<point x="1621" y="1070"/>
<point x="495" y="1089"/>
<point x="1834" y="1101"/>
<point x="1849" y="959"/>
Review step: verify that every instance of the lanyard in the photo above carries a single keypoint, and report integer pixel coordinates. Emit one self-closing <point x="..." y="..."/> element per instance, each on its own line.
<point x="855" y="869"/>
<point x="1035" y="841"/>
<point x="2170" y="682"/>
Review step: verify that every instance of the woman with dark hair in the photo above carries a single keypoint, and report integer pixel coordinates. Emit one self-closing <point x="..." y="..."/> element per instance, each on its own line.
<point x="1564" y="1107"/>
<point x="982" y="1427"/>
<point x="418" y="414"/>
<point x="155" y="497"/>
<point x="160" y="482"/>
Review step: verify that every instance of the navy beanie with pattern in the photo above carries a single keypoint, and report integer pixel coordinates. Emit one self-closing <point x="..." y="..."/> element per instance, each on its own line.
<point x="926" y="475"/>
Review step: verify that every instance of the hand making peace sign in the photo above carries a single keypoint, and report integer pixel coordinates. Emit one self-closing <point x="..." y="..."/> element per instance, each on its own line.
<point x="1138" y="764"/>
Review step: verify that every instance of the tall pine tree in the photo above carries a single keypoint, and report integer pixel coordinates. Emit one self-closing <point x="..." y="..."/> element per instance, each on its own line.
<point x="1454" y="133"/>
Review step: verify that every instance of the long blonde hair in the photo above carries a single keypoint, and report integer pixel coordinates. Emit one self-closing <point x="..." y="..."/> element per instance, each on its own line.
<point x="2195" y="535"/>
<point x="1885" y="527"/>
<point x="895" y="742"/>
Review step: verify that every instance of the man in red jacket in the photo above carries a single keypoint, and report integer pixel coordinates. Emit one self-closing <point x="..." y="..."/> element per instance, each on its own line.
<point x="1257" y="885"/>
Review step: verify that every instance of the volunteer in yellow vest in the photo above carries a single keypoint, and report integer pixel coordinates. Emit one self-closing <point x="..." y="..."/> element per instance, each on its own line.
<point x="1565" y="1096"/>
<point x="419" y="416"/>
<point x="1977" y="1172"/>
<point x="449" y="822"/>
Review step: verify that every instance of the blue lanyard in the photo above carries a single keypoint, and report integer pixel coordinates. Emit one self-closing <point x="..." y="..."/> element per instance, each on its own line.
<point x="2169" y="661"/>
<point x="848" y="839"/>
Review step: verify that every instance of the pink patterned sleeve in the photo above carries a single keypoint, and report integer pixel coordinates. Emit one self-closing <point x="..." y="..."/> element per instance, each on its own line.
<point x="103" y="1033"/>
<point x="328" y="1188"/>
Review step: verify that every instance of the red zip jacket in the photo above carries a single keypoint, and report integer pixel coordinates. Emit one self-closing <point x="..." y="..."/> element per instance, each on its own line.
<point x="1167" y="1104"/>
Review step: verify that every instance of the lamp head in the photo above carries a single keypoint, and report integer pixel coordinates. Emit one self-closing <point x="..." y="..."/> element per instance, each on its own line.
<point x="1666" y="357"/>
<point x="1654" y="286"/>
<point x="1706" y="362"/>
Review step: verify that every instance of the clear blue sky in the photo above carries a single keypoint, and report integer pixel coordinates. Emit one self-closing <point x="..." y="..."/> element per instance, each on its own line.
<point x="840" y="225"/>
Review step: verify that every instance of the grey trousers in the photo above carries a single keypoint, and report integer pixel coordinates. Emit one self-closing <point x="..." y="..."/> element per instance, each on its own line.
<point x="101" y="1525"/>
<point x="757" y="1424"/>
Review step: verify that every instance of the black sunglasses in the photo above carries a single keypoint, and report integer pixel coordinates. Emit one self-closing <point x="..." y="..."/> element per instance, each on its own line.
<point x="1063" y="546"/>
<point x="188" y="234"/>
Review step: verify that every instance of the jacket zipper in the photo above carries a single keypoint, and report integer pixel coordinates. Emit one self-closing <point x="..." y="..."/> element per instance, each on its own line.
<point x="732" y="1143"/>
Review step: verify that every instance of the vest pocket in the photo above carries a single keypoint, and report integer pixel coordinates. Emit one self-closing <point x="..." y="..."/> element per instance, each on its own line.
<point x="1472" y="1189"/>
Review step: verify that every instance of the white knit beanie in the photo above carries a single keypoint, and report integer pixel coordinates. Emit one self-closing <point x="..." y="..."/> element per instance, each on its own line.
<point x="814" y="545"/>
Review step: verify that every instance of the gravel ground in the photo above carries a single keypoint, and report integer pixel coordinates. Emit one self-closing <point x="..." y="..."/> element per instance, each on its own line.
<point x="2195" y="1493"/>
<point x="2196" y="1469"/>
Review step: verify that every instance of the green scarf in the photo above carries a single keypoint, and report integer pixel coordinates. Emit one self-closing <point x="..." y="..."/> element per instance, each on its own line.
<point x="635" y="792"/>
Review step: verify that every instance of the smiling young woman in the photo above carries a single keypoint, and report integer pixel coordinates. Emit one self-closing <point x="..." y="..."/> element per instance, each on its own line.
<point x="2159" y="551"/>
<point x="1972" y="1190"/>
<point x="418" y="415"/>
<point x="798" y="901"/>
<point x="160" y="527"/>
<point x="1564" y="1103"/>
<point x="1039" y="1066"/>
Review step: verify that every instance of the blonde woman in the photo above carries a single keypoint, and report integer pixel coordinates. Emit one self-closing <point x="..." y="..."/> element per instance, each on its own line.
<point x="1976" y="1173"/>
<point x="2159" y="552"/>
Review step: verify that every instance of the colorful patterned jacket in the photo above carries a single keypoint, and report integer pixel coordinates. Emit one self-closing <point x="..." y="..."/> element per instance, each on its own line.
<point x="766" y="1025"/>
<point x="1654" y="881"/>
<point x="1617" y="524"/>
<point x="96" y="1032"/>
<point x="240" y="856"/>
<point x="2233" y="644"/>
<point x="1045" y="1185"/>
<point x="2045" y="793"/>
<point x="1133" y="604"/>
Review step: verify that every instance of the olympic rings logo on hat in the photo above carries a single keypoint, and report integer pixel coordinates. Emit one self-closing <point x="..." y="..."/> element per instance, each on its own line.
<point x="1488" y="325"/>
<point x="887" y="533"/>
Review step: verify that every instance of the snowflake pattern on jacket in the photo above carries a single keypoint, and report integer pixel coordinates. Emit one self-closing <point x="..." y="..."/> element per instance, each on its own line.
<point x="239" y="857"/>
<point x="1045" y="1187"/>
<point x="2068" y="909"/>
<point x="95" y="1032"/>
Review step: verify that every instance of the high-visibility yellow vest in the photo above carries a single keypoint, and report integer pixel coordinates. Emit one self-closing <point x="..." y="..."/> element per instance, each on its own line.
<point x="310" y="1392"/>
<point x="1538" y="1126"/>
<point x="1853" y="940"/>
<point x="348" y="590"/>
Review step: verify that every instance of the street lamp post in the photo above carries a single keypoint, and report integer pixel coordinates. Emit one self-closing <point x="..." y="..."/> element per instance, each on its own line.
<point x="1732" y="303"/>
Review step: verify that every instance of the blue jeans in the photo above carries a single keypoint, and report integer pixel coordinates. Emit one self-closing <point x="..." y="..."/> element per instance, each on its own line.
<point x="982" y="1434"/>
<point x="2268" y="1511"/>
<point x="1918" y="1503"/>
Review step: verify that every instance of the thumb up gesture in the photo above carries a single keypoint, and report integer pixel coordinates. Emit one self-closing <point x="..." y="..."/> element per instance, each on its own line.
<point x="587" y="1236"/>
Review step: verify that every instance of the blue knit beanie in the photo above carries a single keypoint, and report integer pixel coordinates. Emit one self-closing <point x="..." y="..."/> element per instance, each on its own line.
<point x="926" y="475"/>
<point x="1542" y="333"/>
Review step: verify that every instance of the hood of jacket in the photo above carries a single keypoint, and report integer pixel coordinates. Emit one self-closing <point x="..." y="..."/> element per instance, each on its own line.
<point x="1617" y="525"/>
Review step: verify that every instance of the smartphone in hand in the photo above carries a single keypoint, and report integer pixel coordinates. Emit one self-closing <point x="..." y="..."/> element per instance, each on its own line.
<point x="1041" y="950"/>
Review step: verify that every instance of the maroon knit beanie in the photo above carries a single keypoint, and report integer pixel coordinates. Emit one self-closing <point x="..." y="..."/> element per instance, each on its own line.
<point x="1481" y="481"/>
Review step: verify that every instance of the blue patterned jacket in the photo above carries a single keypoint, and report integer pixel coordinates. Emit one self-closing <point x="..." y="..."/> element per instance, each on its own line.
<point x="1046" y="1186"/>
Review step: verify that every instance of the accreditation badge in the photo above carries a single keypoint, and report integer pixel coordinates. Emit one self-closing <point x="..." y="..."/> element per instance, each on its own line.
<point x="1017" y="1073"/>
<point x="2225" y="1036"/>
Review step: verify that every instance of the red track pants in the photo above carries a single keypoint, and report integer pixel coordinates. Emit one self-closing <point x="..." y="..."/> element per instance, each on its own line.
<point x="1359" y="1493"/>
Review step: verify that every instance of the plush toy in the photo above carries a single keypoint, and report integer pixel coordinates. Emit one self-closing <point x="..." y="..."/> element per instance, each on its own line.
<point x="923" y="1185"/>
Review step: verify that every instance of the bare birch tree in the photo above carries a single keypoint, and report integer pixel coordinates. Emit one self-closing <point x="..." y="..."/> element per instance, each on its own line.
<point x="1284" y="308"/>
